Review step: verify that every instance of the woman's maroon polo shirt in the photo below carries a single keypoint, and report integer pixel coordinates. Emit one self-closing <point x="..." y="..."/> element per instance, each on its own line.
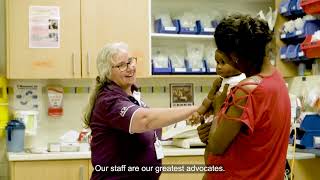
<point x="112" y="144"/>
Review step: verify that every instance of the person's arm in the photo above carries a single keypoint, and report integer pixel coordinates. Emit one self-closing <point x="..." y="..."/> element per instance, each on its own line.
<point x="205" y="106"/>
<point x="221" y="136"/>
<point x="145" y="119"/>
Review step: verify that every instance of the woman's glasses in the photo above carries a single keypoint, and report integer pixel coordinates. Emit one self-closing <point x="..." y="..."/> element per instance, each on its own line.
<point x="132" y="61"/>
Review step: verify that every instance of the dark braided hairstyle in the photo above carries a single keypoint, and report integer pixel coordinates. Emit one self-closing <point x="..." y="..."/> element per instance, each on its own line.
<point x="245" y="36"/>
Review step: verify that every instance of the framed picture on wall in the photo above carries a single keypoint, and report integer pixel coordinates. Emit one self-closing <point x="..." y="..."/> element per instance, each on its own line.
<point x="181" y="94"/>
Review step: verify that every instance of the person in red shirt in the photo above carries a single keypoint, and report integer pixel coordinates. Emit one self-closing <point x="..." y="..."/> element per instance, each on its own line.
<point x="249" y="137"/>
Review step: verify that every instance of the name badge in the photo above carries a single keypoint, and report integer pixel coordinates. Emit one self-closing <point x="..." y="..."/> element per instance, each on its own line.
<point x="158" y="147"/>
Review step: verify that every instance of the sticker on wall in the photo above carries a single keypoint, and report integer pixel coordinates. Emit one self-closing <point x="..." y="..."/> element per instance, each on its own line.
<point x="26" y="97"/>
<point x="44" y="27"/>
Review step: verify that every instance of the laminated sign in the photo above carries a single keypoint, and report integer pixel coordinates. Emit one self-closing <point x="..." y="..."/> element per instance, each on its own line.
<point x="55" y="95"/>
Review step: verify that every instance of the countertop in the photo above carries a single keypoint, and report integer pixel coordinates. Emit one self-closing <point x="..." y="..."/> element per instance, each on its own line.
<point x="168" y="151"/>
<point x="313" y="151"/>
<point x="24" y="156"/>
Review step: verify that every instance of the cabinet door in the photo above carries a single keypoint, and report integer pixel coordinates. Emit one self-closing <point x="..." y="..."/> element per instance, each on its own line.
<point x="50" y="170"/>
<point x="182" y="160"/>
<point x="24" y="62"/>
<point x="113" y="21"/>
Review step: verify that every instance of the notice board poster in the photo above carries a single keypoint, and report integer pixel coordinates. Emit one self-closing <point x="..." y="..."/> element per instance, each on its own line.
<point x="44" y="27"/>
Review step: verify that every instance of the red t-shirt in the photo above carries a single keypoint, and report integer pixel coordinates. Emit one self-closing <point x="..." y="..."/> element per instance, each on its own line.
<point x="259" y="150"/>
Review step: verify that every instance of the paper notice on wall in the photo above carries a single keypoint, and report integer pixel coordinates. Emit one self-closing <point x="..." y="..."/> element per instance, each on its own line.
<point x="44" y="27"/>
<point x="26" y="97"/>
<point x="55" y="106"/>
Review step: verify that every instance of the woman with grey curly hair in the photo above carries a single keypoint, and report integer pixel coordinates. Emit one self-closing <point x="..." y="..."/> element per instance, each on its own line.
<point x="123" y="128"/>
<point x="249" y="137"/>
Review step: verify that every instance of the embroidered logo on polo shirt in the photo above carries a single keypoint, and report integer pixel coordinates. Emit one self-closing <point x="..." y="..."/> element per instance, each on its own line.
<point x="124" y="110"/>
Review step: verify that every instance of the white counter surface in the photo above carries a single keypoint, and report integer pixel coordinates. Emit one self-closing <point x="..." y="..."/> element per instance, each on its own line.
<point x="168" y="151"/>
<point x="24" y="156"/>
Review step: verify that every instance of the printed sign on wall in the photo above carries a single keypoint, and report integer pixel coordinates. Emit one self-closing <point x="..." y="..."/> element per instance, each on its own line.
<point x="44" y="27"/>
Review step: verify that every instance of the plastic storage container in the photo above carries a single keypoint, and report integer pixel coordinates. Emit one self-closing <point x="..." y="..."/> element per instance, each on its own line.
<point x="283" y="51"/>
<point x="203" y="30"/>
<point x="186" y="30"/>
<point x="191" y="70"/>
<point x="309" y="28"/>
<point x="311" y="126"/>
<point x="179" y="70"/>
<point x="311" y="6"/>
<point x="311" y="49"/>
<point x="15" y="136"/>
<point x="292" y="53"/>
<point x="159" y="71"/>
<point x="291" y="8"/>
<point x="284" y="8"/>
<point x="210" y="70"/>
<point x="296" y="9"/>
<point x="160" y="28"/>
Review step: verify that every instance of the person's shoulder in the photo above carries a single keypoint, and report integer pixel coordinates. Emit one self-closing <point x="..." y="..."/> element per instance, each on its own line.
<point x="250" y="83"/>
<point x="107" y="94"/>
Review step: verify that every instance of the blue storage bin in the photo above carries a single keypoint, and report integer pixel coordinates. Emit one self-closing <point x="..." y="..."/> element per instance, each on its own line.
<point x="307" y="139"/>
<point x="300" y="56"/>
<point x="186" y="30"/>
<point x="159" y="27"/>
<point x="204" y="31"/>
<point x="191" y="70"/>
<point x="209" y="70"/>
<point x="179" y="70"/>
<point x="311" y="122"/>
<point x="309" y="28"/>
<point x="159" y="71"/>
<point x="311" y="126"/>
<point x="291" y="52"/>
<point x="285" y="8"/>
<point x="296" y="8"/>
<point x="283" y="52"/>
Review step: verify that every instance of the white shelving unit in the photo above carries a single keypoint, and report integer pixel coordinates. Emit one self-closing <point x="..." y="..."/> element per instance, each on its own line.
<point x="180" y="36"/>
<point x="177" y="7"/>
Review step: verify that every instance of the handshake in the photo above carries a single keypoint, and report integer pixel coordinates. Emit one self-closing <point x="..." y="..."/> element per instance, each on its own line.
<point x="211" y="105"/>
